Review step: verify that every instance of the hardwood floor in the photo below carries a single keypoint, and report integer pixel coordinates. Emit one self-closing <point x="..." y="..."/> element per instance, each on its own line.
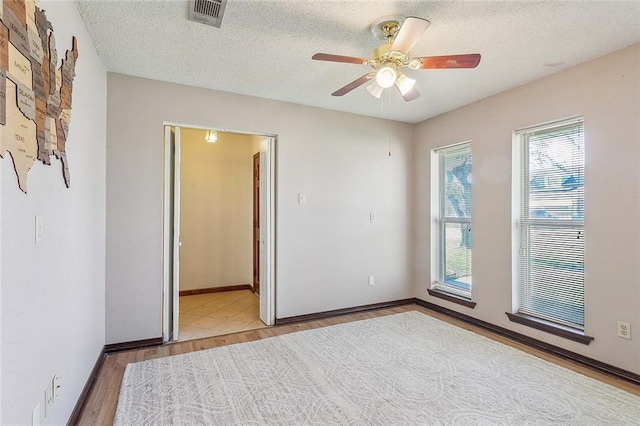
<point x="101" y="405"/>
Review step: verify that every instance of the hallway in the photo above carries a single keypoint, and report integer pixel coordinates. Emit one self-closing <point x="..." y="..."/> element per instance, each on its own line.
<point x="215" y="314"/>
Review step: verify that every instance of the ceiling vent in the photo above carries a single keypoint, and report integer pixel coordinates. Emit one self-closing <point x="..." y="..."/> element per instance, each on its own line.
<point x="208" y="12"/>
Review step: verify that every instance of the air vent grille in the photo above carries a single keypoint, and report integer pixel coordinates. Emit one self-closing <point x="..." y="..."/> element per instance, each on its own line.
<point x="207" y="12"/>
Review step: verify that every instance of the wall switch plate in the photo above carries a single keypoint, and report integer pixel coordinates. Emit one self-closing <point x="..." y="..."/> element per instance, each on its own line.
<point x="302" y="198"/>
<point x="35" y="415"/>
<point x="371" y="280"/>
<point x="39" y="229"/>
<point x="372" y="217"/>
<point x="624" y="330"/>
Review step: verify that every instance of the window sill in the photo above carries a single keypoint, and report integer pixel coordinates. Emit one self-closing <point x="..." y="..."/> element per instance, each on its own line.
<point x="550" y="327"/>
<point x="454" y="298"/>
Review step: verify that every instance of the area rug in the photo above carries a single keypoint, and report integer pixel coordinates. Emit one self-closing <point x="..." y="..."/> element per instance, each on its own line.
<point x="406" y="368"/>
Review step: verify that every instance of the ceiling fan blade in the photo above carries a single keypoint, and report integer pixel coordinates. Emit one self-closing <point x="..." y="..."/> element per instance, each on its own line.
<point x="337" y="58"/>
<point x="411" y="30"/>
<point x="411" y="95"/>
<point x="356" y="83"/>
<point x="451" y="61"/>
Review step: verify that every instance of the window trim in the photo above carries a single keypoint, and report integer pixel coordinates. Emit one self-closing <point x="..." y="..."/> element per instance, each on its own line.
<point x="550" y="327"/>
<point x="451" y="297"/>
<point x="520" y="190"/>
<point x="438" y="288"/>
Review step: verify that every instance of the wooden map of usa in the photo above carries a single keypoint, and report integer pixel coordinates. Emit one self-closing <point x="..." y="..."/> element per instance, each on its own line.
<point x="35" y="94"/>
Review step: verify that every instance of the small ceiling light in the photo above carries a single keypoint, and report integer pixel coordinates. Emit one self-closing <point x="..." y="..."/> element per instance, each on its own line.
<point x="405" y="84"/>
<point x="375" y="89"/>
<point x="386" y="76"/>
<point x="212" y="136"/>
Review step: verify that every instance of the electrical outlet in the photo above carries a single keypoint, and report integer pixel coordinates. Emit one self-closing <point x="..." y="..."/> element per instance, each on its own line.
<point x="624" y="330"/>
<point x="372" y="217"/>
<point x="371" y="281"/>
<point x="55" y="383"/>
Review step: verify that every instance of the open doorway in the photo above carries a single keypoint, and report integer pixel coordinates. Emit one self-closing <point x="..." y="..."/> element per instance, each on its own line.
<point x="219" y="245"/>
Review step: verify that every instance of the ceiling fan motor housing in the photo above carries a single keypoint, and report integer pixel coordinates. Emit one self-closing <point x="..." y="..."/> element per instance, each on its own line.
<point x="383" y="56"/>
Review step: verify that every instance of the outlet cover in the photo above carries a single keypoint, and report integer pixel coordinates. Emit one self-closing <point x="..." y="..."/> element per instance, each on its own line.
<point x="56" y="383"/>
<point x="48" y="400"/>
<point x="624" y="330"/>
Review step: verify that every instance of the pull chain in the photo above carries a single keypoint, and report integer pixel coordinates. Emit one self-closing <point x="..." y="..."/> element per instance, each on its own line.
<point x="388" y="127"/>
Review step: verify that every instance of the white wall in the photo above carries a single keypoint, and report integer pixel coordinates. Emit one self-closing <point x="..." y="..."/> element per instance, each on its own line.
<point x="216" y="210"/>
<point x="606" y="92"/>
<point x="53" y="293"/>
<point x="326" y="248"/>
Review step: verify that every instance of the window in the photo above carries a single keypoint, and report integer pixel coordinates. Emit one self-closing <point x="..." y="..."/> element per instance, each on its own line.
<point x="452" y="208"/>
<point x="549" y="200"/>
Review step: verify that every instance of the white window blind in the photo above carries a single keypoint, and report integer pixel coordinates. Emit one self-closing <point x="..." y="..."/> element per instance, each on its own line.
<point x="454" y="221"/>
<point x="552" y="223"/>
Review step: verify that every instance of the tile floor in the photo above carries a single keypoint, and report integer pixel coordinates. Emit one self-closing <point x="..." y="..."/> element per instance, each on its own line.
<point x="214" y="314"/>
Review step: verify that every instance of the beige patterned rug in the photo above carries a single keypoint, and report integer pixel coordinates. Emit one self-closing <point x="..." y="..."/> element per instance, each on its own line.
<point x="405" y="368"/>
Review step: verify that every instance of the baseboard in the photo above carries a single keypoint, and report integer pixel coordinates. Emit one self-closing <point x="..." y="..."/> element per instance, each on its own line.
<point x="215" y="289"/>
<point x="343" y="311"/>
<point x="593" y="364"/>
<point x="74" y="419"/>
<point x="135" y="344"/>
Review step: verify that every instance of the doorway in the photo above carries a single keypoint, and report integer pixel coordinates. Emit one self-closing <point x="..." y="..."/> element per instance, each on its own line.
<point x="203" y="254"/>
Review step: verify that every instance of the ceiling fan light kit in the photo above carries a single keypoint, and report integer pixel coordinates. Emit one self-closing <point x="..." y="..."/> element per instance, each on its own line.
<point x="404" y="84"/>
<point x="375" y="90"/>
<point x="400" y="34"/>
<point x="386" y="76"/>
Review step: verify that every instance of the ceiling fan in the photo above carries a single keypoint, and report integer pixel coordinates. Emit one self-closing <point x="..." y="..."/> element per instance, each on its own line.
<point x="389" y="58"/>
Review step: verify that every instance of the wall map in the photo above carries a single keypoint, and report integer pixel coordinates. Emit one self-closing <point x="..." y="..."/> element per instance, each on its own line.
<point x="35" y="94"/>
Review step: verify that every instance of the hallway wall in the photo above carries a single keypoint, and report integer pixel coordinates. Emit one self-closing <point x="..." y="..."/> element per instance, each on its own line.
<point x="216" y="215"/>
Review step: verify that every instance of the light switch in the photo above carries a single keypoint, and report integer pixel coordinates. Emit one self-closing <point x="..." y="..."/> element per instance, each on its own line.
<point x="302" y="198"/>
<point x="39" y="229"/>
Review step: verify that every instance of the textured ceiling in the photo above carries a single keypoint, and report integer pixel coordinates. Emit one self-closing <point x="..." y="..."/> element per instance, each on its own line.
<point x="264" y="48"/>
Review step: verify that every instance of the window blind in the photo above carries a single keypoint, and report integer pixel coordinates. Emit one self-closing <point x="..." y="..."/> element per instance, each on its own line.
<point x="552" y="224"/>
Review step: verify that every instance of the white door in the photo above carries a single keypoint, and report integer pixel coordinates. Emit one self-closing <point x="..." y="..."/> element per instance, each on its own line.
<point x="176" y="235"/>
<point x="267" y="293"/>
<point x="171" y="233"/>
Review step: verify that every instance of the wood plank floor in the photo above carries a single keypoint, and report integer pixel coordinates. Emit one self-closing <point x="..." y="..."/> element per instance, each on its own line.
<point x="101" y="405"/>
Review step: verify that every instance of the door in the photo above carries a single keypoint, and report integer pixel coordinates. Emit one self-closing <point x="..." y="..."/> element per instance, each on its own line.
<point x="256" y="223"/>
<point x="172" y="232"/>
<point x="267" y="227"/>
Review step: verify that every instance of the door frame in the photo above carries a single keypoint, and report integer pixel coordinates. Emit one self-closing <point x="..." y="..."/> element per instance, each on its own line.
<point x="268" y="284"/>
<point x="171" y="245"/>
<point x="256" y="223"/>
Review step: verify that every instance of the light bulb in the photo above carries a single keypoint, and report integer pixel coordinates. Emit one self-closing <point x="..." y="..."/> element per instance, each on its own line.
<point x="404" y="84"/>
<point x="212" y="136"/>
<point x="386" y="76"/>
<point x="375" y="89"/>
